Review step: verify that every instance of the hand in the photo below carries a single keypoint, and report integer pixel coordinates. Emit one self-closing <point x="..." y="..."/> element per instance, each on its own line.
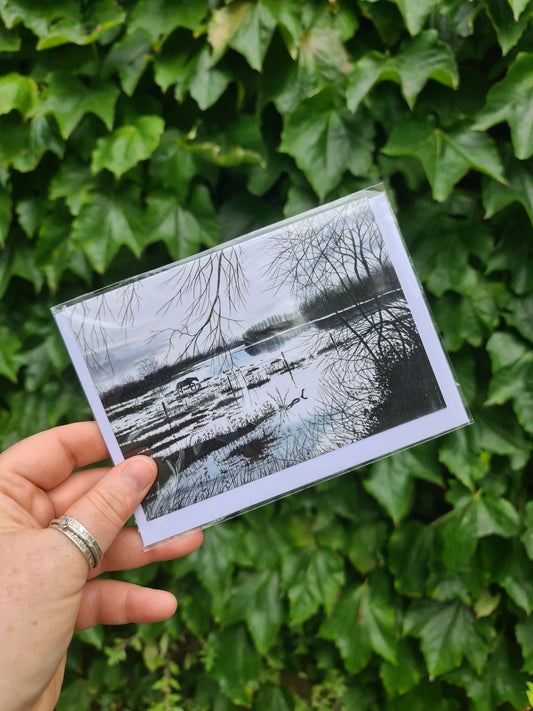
<point x="46" y="588"/>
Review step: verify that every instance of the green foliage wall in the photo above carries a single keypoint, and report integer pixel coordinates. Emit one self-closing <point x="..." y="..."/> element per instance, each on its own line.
<point x="133" y="133"/>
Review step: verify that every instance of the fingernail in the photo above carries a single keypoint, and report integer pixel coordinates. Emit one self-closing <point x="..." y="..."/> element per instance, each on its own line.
<point x="139" y="473"/>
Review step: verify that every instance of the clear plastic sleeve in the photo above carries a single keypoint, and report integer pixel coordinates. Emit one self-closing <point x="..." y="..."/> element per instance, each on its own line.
<point x="287" y="356"/>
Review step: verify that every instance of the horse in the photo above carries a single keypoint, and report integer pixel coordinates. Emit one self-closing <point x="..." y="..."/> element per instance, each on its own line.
<point x="191" y="385"/>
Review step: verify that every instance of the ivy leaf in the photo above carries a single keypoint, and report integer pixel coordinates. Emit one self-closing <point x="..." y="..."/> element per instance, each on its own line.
<point x="18" y="262"/>
<point x="179" y="228"/>
<point x="361" y="622"/>
<point x="391" y="479"/>
<point x="273" y="697"/>
<point x="497" y="683"/>
<point x="312" y="577"/>
<point x="520" y="188"/>
<point x="405" y="672"/>
<point x="254" y="34"/>
<point x="509" y="28"/>
<point x="99" y="17"/>
<point x="105" y="223"/>
<point x="5" y="215"/>
<point x="246" y="27"/>
<point x="129" y="57"/>
<point x="159" y="18"/>
<point x="73" y="182"/>
<point x="22" y="145"/>
<point x="445" y="155"/>
<point x="518" y="7"/>
<point x="468" y="318"/>
<point x="205" y="83"/>
<point x="474" y="516"/>
<point x="68" y="98"/>
<point x="415" y="12"/>
<point x="510" y="567"/>
<point x="512" y="366"/>
<point x="326" y="141"/>
<point x="420" y="59"/>
<point x="18" y="92"/>
<point x="447" y="631"/>
<point x="10" y="360"/>
<point x="128" y="145"/>
<point x="524" y="636"/>
<point x="236" y="672"/>
<point x="410" y="547"/>
<point x="9" y="40"/>
<point x="511" y="100"/>
<point x="255" y="599"/>
<point x="172" y="165"/>
<point x="30" y="214"/>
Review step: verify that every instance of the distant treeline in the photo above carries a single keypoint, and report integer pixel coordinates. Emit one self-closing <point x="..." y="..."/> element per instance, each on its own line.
<point x="351" y="292"/>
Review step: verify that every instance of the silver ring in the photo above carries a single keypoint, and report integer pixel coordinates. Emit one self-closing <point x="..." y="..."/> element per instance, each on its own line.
<point x="79" y="535"/>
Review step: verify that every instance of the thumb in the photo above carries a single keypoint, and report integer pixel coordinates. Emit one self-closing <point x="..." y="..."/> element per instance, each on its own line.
<point x="105" y="508"/>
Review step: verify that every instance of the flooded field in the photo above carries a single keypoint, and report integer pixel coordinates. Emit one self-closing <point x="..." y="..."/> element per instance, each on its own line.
<point x="232" y="419"/>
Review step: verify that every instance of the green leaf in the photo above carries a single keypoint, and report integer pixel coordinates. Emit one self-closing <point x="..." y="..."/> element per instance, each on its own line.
<point x="236" y="664"/>
<point x="255" y="599"/>
<point x="159" y="18"/>
<point x="520" y="188"/>
<point x="405" y="672"/>
<point x="361" y="622"/>
<point x="254" y="34"/>
<point x="415" y="12"/>
<point x="172" y="165"/>
<point x="410" y="549"/>
<point x="10" y="360"/>
<point x="520" y="315"/>
<point x="511" y="100"/>
<point x="9" y="40"/>
<point x="364" y="543"/>
<point x="470" y="317"/>
<point x="205" y="83"/>
<point x="246" y="27"/>
<point x="509" y="29"/>
<point x="446" y="156"/>
<point x="524" y="636"/>
<point x="497" y="683"/>
<point x="105" y="223"/>
<point x="129" y="57"/>
<point x="447" y="632"/>
<point x="18" y="92"/>
<point x="73" y="182"/>
<point x="518" y="7"/>
<point x="473" y="517"/>
<point x="5" y="215"/>
<point x="420" y="59"/>
<point x="68" y="98"/>
<point x="178" y="227"/>
<point x="512" y="365"/>
<point x="30" y="214"/>
<point x="326" y="142"/>
<point x="391" y="479"/>
<point x="128" y="145"/>
<point x="273" y="697"/>
<point x="312" y="577"/>
<point x="508" y="565"/>
<point x="84" y="29"/>
<point x="18" y="261"/>
<point x="22" y="145"/>
<point x="527" y="536"/>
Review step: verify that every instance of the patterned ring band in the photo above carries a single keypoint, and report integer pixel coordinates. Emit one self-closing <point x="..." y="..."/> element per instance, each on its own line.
<point x="81" y="537"/>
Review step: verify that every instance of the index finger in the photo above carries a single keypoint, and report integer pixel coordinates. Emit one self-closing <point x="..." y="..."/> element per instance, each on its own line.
<point x="48" y="458"/>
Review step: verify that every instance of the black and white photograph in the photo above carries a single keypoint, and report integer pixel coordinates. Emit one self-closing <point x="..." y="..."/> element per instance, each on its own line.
<point x="264" y="365"/>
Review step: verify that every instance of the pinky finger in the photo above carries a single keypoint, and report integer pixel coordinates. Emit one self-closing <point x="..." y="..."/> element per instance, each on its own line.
<point x="112" y="602"/>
